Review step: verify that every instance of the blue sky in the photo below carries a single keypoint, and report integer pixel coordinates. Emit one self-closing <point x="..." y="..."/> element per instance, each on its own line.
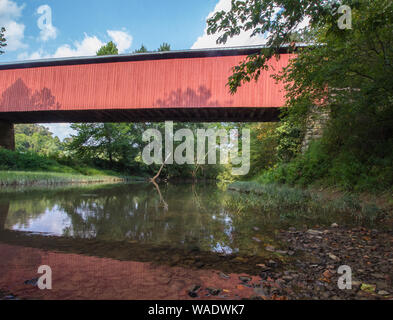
<point x="39" y="29"/>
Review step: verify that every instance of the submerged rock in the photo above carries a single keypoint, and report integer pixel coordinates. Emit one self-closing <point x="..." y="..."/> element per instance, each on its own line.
<point x="224" y="276"/>
<point x="193" y="291"/>
<point x="314" y="232"/>
<point x="245" y="279"/>
<point x="214" y="291"/>
<point x="32" y="282"/>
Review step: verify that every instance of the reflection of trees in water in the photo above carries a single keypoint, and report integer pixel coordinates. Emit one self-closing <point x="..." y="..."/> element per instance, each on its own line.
<point x="4" y="208"/>
<point x="195" y="218"/>
<point x="21" y="213"/>
<point x="138" y="215"/>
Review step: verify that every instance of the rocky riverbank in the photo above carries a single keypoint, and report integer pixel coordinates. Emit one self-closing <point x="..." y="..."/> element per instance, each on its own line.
<point x="314" y="275"/>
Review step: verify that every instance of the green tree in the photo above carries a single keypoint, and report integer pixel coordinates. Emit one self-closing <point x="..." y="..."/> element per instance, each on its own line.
<point x="36" y="138"/>
<point x="164" y="47"/>
<point x="109" y="49"/>
<point x="278" y="20"/>
<point x="2" y="40"/>
<point x="142" y="49"/>
<point x="263" y="145"/>
<point x="346" y="71"/>
<point x="117" y="143"/>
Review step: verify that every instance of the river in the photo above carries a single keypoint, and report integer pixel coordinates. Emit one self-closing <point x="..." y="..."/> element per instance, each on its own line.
<point x="201" y="230"/>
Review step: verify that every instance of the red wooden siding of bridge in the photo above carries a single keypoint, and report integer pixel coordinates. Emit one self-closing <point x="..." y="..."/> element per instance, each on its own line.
<point x="177" y="83"/>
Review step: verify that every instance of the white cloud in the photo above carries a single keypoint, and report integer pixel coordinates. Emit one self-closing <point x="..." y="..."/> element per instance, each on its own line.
<point x="44" y="22"/>
<point x="61" y="130"/>
<point x="10" y="9"/>
<point x="87" y="47"/>
<point x="122" y="39"/>
<point x="34" y="56"/>
<point x="243" y="39"/>
<point x="10" y="12"/>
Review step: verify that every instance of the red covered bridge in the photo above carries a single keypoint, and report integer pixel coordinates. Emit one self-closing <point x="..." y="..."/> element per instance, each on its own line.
<point x="176" y="85"/>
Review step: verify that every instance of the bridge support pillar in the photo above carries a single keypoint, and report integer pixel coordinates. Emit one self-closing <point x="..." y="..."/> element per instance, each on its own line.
<point x="7" y="136"/>
<point x="315" y="125"/>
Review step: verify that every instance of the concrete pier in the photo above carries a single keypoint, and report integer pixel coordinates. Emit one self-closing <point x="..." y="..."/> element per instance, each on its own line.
<point x="7" y="136"/>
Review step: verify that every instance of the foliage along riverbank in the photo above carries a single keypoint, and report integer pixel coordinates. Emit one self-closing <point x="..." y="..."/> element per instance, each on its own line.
<point x="345" y="75"/>
<point x="313" y="205"/>
<point x="29" y="169"/>
<point x="28" y="178"/>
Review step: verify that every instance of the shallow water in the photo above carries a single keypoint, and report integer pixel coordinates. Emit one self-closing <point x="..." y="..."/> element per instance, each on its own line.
<point x="140" y="241"/>
<point x="185" y="216"/>
<point x="176" y="219"/>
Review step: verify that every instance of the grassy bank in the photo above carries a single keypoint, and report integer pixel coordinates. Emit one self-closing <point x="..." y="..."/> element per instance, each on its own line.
<point x="28" y="169"/>
<point x="288" y="202"/>
<point x="27" y="178"/>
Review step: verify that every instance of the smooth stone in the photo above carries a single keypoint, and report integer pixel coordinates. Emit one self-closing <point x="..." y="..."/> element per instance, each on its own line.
<point x="383" y="293"/>
<point x="314" y="232"/>
<point x="270" y="248"/>
<point x="244" y="279"/>
<point x="224" y="276"/>
<point x="333" y="257"/>
<point x="214" y="291"/>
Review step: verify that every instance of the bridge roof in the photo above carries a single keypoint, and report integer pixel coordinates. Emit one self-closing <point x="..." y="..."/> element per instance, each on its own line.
<point x="156" y="55"/>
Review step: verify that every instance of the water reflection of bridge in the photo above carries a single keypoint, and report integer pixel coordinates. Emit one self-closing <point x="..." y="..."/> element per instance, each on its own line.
<point x="131" y="251"/>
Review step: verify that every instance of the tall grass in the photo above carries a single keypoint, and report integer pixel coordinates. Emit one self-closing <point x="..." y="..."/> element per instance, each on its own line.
<point x="25" y="169"/>
<point x="25" y="178"/>
<point x="289" y="202"/>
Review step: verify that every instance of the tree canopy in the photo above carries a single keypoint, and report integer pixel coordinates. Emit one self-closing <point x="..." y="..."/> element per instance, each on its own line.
<point x="280" y="20"/>
<point x="36" y="138"/>
<point x="349" y="72"/>
<point x="108" y="49"/>
<point x="164" y="47"/>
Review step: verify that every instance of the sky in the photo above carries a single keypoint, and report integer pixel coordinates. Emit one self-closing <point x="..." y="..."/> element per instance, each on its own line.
<point x="37" y="29"/>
